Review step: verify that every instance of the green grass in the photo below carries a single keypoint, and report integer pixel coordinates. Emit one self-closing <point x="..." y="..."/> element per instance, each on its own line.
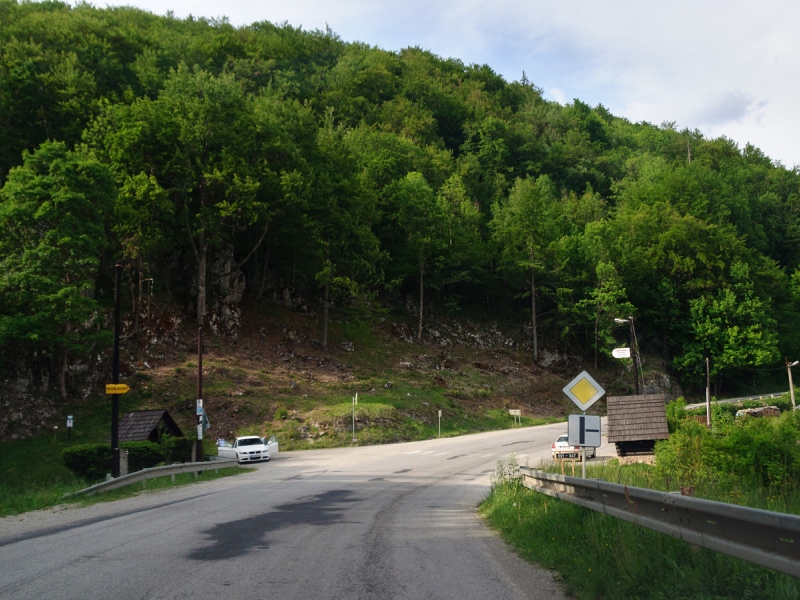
<point x="598" y="556"/>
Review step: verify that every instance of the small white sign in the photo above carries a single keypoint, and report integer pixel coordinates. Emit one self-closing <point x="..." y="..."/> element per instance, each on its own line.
<point x="199" y="406"/>
<point x="69" y="421"/>
<point x="440" y="414"/>
<point x="515" y="412"/>
<point x="200" y="432"/>
<point x="621" y="353"/>
<point x="584" y="430"/>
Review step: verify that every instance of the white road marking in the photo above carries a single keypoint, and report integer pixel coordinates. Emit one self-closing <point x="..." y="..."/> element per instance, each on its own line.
<point x="413" y="452"/>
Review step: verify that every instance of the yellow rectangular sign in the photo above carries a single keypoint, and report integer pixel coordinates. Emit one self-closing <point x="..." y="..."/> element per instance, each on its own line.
<point x="117" y="388"/>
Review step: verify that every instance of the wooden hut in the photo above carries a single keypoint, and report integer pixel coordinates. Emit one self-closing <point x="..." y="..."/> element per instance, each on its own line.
<point x="147" y="425"/>
<point x="635" y="423"/>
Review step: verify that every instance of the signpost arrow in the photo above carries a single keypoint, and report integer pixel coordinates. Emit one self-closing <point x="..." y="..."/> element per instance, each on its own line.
<point x="117" y="388"/>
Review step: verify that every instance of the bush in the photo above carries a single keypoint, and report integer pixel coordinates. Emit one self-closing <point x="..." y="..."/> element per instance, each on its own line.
<point x="88" y="461"/>
<point x="142" y="455"/>
<point x="93" y="461"/>
<point x="176" y="449"/>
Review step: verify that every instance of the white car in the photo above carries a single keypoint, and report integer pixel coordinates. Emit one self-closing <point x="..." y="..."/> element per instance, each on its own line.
<point x="562" y="449"/>
<point x="249" y="448"/>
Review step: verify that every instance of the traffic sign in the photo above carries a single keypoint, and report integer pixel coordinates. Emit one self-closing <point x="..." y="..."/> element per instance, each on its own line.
<point x="69" y="420"/>
<point x="117" y="388"/>
<point x="621" y="353"/>
<point x="199" y="407"/>
<point x="584" y="430"/>
<point x="584" y="391"/>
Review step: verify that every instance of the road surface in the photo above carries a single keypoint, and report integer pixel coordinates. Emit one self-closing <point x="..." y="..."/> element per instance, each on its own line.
<point x="394" y="521"/>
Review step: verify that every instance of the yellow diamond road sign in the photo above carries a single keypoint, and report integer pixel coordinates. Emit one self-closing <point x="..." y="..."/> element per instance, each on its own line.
<point x="117" y="388"/>
<point x="584" y="390"/>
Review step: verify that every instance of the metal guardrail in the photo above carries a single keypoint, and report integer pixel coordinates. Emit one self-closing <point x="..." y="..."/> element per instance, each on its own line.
<point x="762" y="537"/>
<point x="155" y="472"/>
<point x="735" y="400"/>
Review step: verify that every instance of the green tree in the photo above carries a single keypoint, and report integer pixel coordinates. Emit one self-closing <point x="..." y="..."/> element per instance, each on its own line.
<point x="420" y="218"/>
<point x="53" y="213"/>
<point x="733" y="328"/>
<point x="605" y="302"/>
<point x="524" y="226"/>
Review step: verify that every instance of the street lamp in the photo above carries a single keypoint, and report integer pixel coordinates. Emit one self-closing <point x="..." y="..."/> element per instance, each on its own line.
<point x="633" y="351"/>
<point x="791" y="385"/>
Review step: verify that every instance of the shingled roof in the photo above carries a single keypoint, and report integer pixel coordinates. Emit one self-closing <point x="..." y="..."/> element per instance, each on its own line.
<point x="143" y="425"/>
<point x="634" y="418"/>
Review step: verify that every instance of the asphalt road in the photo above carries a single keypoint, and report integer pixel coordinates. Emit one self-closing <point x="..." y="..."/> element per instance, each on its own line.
<point x="394" y="521"/>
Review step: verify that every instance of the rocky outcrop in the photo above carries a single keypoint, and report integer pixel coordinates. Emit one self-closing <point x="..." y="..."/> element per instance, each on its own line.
<point x="227" y="285"/>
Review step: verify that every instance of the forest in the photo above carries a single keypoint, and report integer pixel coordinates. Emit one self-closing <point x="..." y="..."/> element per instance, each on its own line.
<point x="271" y="158"/>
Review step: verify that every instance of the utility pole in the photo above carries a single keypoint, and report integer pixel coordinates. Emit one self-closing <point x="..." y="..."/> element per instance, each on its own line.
<point x="115" y="373"/>
<point x="635" y="357"/>
<point x="791" y="385"/>
<point x="198" y="453"/>
<point x="708" y="393"/>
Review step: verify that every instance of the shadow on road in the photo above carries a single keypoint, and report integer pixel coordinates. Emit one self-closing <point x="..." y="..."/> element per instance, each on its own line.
<point x="235" y="538"/>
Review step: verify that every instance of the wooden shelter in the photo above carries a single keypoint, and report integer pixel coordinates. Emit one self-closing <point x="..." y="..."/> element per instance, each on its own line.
<point x="635" y="423"/>
<point x="147" y="425"/>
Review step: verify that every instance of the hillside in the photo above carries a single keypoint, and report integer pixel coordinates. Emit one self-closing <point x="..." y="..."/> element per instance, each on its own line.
<point x="224" y="167"/>
<point x="277" y="379"/>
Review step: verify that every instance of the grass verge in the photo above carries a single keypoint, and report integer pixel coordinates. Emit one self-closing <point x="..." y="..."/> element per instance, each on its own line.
<point x="159" y="483"/>
<point x="598" y="556"/>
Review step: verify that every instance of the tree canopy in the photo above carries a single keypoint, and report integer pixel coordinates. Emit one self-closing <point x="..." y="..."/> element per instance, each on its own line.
<point x="344" y="171"/>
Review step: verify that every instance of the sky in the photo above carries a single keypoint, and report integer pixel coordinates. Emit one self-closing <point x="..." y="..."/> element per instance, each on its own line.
<point x="724" y="67"/>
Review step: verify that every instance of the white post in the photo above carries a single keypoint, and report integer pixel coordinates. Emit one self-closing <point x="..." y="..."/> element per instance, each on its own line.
<point x="354" y="418"/>
<point x="708" y="394"/>
<point x="440" y="423"/>
<point x="791" y="385"/>
<point x="583" y="461"/>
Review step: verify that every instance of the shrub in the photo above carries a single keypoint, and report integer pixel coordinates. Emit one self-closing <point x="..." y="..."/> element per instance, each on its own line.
<point x="88" y="461"/>
<point x="176" y="449"/>
<point x="142" y="455"/>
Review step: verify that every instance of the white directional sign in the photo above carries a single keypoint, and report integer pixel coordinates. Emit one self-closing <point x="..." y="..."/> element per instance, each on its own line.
<point x="584" y="391"/>
<point x="199" y="407"/>
<point x="584" y="430"/>
<point x="621" y="353"/>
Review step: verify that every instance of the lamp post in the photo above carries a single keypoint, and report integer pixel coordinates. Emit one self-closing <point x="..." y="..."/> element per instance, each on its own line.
<point x="633" y="352"/>
<point x="791" y="385"/>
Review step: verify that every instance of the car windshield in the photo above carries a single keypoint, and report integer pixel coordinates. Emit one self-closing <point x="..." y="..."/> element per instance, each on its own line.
<point x="250" y="442"/>
<point x="563" y="438"/>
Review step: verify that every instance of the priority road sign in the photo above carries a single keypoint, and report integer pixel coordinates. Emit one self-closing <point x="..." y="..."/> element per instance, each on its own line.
<point x="584" y="430"/>
<point x="117" y="388"/>
<point x="584" y="391"/>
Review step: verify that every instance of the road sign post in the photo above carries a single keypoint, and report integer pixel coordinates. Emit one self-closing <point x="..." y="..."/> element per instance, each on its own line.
<point x="440" y="423"/>
<point x="115" y="373"/>
<point x="584" y="391"/>
<point x="69" y="426"/>
<point x="355" y="401"/>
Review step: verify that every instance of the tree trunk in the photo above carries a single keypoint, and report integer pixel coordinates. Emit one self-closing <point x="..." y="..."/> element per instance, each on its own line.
<point x="421" y="299"/>
<point x="596" y="324"/>
<point x="325" y="316"/>
<point x="266" y="269"/>
<point x="62" y="373"/>
<point x="202" y="259"/>
<point x="533" y="315"/>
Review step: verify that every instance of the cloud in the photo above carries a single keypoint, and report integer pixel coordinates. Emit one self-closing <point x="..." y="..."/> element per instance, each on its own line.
<point x="731" y="106"/>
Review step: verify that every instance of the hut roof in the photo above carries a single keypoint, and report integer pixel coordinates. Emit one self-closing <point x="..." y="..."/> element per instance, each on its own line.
<point x="143" y="425"/>
<point x="633" y="418"/>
